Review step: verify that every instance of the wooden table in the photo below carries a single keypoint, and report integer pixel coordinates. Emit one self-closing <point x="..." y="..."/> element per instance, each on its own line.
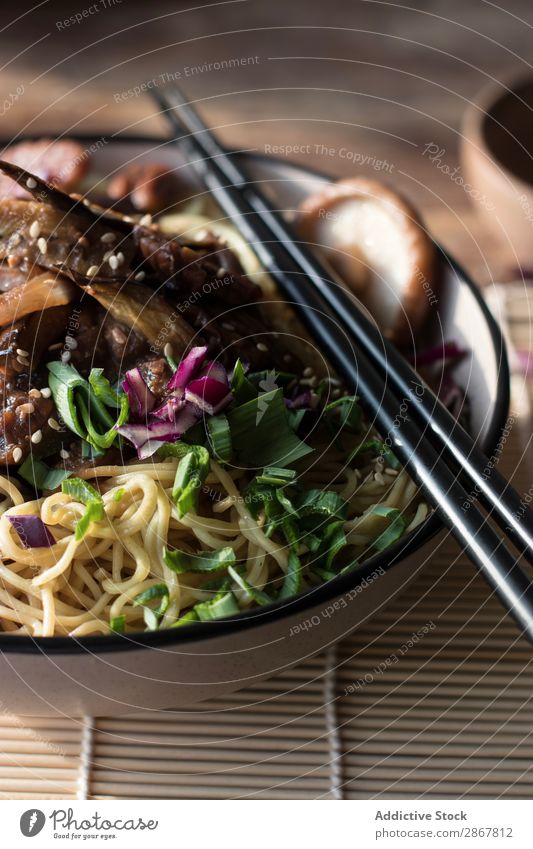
<point x="346" y="84"/>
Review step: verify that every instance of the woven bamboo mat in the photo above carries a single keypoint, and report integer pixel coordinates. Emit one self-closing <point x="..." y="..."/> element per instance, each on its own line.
<point x="450" y="716"/>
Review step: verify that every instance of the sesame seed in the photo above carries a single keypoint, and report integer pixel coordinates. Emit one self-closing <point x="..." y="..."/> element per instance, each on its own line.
<point x="64" y="454"/>
<point x="46" y="392"/>
<point x="108" y="238"/>
<point x="146" y="220"/>
<point x="34" y="393"/>
<point x="36" y="437"/>
<point x="107" y="255"/>
<point x="22" y="353"/>
<point x="120" y="258"/>
<point x="17" y="454"/>
<point x="128" y="219"/>
<point x="26" y="409"/>
<point x="71" y="343"/>
<point x="113" y="262"/>
<point x="35" y="230"/>
<point x="308" y="372"/>
<point x="378" y="477"/>
<point x="54" y="424"/>
<point x="65" y="356"/>
<point x="42" y="245"/>
<point x="83" y="241"/>
<point x="140" y="275"/>
<point x="92" y="271"/>
<point x="392" y="472"/>
<point x="31" y="183"/>
<point x="55" y="347"/>
<point x="23" y="361"/>
<point x="227" y="326"/>
<point x="167" y="350"/>
<point x="13" y="261"/>
<point x="261" y="346"/>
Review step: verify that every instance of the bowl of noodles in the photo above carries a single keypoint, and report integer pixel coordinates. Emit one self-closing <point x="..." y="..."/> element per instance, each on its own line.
<point x="190" y="498"/>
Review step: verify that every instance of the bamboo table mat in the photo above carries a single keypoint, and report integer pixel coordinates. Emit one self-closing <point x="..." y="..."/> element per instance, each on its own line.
<point x="449" y="717"/>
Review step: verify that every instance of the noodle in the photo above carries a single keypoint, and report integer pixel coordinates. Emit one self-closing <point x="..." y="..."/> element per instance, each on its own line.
<point x="80" y="587"/>
<point x="121" y="557"/>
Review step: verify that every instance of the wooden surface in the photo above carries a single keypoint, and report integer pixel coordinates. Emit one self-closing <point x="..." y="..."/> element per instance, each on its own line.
<point x="375" y="78"/>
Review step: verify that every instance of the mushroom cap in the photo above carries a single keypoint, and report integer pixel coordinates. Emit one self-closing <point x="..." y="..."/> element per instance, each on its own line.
<point x="376" y="243"/>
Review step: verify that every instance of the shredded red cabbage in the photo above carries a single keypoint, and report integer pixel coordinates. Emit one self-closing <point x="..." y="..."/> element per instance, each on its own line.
<point x="196" y="388"/>
<point x="208" y="394"/>
<point x="447" y="352"/>
<point x="32" y="531"/>
<point x="140" y="398"/>
<point x="187" y="368"/>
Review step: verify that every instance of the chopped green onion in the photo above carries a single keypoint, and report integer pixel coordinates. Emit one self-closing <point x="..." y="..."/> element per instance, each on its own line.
<point x="219" y="438"/>
<point x="83" y="492"/>
<point x="104" y="391"/>
<point x="208" y="561"/>
<point x="156" y="591"/>
<point x="63" y="381"/>
<point x="276" y="476"/>
<point x="150" y="619"/>
<point x="252" y="592"/>
<point x="83" y="404"/>
<point x="292" y="583"/>
<point x="223" y="604"/>
<point x="379" y="448"/>
<point x="191" y="473"/>
<point x="396" y="528"/>
<point x="349" y="413"/>
<point x="241" y="388"/>
<point x="119" y="494"/>
<point x="117" y="624"/>
<point x="186" y="619"/>
<point x="41" y="476"/>
<point x="317" y="501"/>
<point x="261" y="434"/>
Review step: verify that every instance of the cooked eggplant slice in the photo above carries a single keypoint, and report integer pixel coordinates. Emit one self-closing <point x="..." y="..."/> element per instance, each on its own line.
<point x="36" y="295"/>
<point x="141" y="310"/>
<point x="34" y="233"/>
<point x="47" y="193"/>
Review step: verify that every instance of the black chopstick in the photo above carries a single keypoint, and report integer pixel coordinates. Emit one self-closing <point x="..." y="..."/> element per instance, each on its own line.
<point x="323" y="308"/>
<point x="506" y="507"/>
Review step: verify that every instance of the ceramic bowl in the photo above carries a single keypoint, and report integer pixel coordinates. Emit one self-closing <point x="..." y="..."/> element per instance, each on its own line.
<point x="106" y="675"/>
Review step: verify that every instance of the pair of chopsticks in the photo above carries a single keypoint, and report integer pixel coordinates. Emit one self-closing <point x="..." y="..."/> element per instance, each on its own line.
<point x="430" y="443"/>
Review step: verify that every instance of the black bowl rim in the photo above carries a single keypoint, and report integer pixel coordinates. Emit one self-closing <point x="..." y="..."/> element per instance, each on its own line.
<point x="322" y="594"/>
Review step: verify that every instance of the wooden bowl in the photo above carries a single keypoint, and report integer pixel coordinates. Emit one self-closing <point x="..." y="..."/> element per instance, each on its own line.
<point x="497" y="159"/>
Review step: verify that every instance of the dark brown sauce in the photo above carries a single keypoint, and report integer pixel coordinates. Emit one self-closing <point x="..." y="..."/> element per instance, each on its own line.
<point x="508" y="130"/>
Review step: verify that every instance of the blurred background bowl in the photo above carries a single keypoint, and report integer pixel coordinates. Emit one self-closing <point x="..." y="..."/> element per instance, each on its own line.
<point x="497" y="158"/>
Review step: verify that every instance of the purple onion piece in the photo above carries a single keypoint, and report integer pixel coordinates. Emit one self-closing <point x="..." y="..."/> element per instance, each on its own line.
<point x="140" y="398"/>
<point x="140" y="435"/>
<point x="32" y="531"/>
<point x="216" y="371"/>
<point x="187" y="368"/>
<point x="169" y="408"/>
<point x="207" y="394"/>
<point x="446" y="352"/>
<point x="303" y="400"/>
